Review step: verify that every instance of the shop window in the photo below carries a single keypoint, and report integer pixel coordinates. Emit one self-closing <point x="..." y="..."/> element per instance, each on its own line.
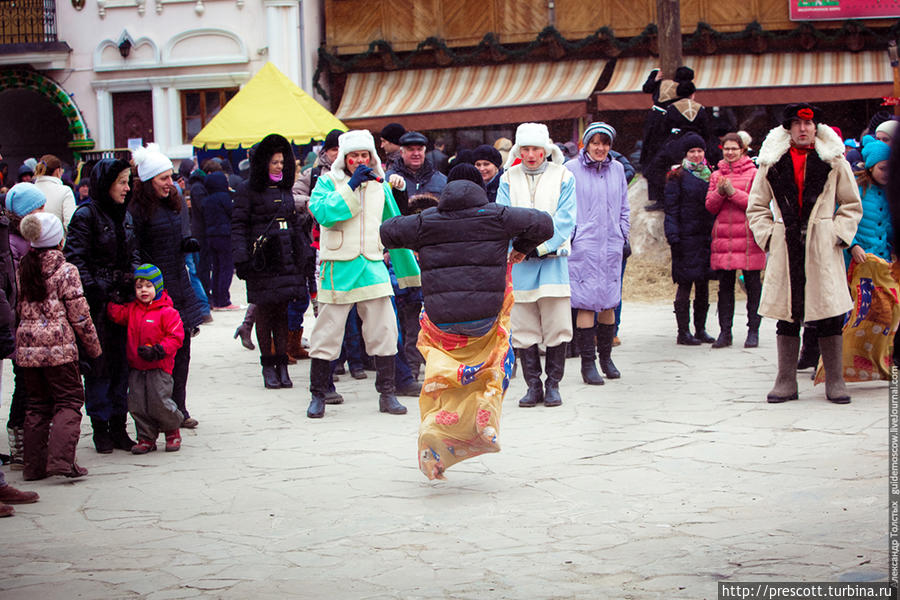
<point x="198" y="107"/>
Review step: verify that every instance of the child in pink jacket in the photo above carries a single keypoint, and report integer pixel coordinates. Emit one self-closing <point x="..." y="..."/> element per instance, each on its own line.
<point x="155" y="333"/>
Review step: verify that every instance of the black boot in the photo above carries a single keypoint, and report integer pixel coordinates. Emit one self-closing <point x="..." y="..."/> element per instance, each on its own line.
<point x="319" y="384"/>
<point x="245" y="329"/>
<point x="384" y="384"/>
<point x="752" y="332"/>
<point x="584" y="337"/>
<point x="726" y="321"/>
<point x="531" y="372"/>
<point x="809" y="351"/>
<point x="102" y="440"/>
<point x="682" y="318"/>
<point x="281" y="370"/>
<point x="556" y="367"/>
<point x="118" y="432"/>
<point x="270" y="372"/>
<point x="700" y="312"/>
<point x="605" y="335"/>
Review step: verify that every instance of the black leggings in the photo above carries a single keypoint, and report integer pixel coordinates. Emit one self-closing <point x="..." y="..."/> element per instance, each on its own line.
<point x="272" y="326"/>
<point x="701" y="292"/>
<point x="753" y="284"/>
<point x="824" y="327"/>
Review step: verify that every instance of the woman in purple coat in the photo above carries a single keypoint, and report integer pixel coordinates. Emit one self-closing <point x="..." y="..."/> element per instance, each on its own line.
<point x="595" y="265"/>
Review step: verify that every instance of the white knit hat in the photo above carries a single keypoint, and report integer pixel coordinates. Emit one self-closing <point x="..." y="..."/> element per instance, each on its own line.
<point x="150" y="161"/>
<point x="42" y="229"/>
<point x="534" y="134"/>
<point x="889" y="128"/>
<point x="352" y="141"/>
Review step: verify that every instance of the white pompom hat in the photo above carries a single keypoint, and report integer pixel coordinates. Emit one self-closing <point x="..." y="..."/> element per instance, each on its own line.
<point x="534" y="134"/>
<point x="150" y="161"/>
<point x="352" y="141"/>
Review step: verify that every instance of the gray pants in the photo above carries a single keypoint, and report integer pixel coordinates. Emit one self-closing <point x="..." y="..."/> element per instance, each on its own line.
<point x="150" y="403"/>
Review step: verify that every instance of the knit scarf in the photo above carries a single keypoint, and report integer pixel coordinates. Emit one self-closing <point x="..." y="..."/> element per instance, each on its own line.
<point x="699" y="170"/>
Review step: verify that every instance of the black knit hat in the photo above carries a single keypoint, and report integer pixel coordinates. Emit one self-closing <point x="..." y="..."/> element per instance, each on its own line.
<point x="392" y="132"/>
<point x="465" y="171"/>
<point x="331" y="140"/>
<point x="800" y="111"/>
<point x="488" y="153"/>
<point x="691" y="140"/>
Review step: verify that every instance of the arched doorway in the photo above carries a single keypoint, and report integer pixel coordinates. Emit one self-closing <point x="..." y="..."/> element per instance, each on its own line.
<point x="46" y="121"/>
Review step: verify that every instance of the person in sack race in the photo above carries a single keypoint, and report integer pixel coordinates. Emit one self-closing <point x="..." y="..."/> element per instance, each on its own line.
<point x="463" y="247"/>
<point x="270" y="249"/>
<point x="542" y="313"/>
<point x="350" y="202"/>
<point x="803" y="210"/>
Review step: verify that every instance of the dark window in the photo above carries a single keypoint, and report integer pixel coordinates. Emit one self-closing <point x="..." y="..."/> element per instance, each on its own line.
<point x="198" y="107"/>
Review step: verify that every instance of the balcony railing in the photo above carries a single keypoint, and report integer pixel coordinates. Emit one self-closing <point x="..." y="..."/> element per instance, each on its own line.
<point x="27" y="21"/>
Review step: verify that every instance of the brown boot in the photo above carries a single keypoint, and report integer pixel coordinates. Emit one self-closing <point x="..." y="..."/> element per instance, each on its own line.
<point x="10" y="495"/>
<point x="786" y="380"/>
<point x="295" y="347"/>
<point x="832" y="348"/>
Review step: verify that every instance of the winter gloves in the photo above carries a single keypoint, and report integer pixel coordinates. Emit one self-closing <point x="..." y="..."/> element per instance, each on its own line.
<point x="360" y="175"/>
<point x="151" y="353"/>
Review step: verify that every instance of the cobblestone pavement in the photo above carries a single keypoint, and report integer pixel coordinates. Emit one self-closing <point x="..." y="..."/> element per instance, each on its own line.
<point x="656" y="485"/>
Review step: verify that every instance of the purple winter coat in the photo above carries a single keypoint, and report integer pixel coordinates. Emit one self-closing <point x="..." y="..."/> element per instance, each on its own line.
<point x="601" y="228"/>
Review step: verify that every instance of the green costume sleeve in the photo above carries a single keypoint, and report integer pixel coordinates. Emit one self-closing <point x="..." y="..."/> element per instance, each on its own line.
<point x="402" y="259"/>
<point x="332" y="203"/>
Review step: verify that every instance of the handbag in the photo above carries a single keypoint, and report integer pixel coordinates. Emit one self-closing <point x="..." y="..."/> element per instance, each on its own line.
<point x="258" y="249"/>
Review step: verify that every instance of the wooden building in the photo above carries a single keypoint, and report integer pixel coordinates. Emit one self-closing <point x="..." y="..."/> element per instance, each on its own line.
<point x="479" y="67"/>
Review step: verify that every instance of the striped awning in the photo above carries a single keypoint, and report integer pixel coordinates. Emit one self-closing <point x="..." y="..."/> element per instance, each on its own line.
<point x="747" y="79"/>
<point x="470" y="96"/>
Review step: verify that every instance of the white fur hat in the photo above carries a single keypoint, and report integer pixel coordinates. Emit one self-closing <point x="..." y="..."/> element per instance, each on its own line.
<point x="534" y="134"/>
<point x="150" y="161"/>
<point x="351" y="141"/>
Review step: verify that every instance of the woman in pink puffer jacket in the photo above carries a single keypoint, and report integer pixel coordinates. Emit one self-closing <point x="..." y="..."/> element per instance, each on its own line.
<point x="733" y="246"/>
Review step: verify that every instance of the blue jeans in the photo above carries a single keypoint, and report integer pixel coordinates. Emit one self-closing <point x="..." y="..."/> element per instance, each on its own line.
<point x="196" y="284"/>
<point x="295" y="311"/>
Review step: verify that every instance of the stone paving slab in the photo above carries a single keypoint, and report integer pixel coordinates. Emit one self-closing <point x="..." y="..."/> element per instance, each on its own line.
<point x="656" y="485"/>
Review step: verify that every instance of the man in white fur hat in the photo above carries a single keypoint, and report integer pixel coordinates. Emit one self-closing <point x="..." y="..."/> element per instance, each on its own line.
<point x="542" y="313"/>
<point x="350" y="202"/>
<point x="803" y="210"/>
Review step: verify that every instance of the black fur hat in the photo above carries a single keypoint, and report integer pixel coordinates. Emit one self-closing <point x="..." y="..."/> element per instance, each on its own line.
<point x="259" y="162"/>
<point x="800" y="111"/>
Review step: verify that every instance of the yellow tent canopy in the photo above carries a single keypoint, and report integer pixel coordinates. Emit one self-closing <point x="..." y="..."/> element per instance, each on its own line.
<point x="268" y="103"/>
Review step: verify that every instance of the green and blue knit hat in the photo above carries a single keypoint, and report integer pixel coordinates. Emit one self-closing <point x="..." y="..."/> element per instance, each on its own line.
<point x="152" y="274"/>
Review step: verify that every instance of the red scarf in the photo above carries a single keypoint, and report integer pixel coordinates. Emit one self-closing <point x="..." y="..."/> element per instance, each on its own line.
<point x="798" y="158"/>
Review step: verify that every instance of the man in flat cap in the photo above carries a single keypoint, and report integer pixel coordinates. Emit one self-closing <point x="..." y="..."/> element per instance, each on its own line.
<point x="417" y="172"/>
<point x="803" y="210"/>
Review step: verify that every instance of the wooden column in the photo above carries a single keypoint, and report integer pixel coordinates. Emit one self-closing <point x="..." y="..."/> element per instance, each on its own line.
<point x="668" y="20"/>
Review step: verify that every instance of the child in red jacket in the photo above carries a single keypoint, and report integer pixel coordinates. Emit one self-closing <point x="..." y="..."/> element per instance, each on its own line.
<point x="155" y="333"/>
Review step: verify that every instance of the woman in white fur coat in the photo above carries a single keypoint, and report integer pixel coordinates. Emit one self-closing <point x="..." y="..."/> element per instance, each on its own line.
<point x="803" y="210"/>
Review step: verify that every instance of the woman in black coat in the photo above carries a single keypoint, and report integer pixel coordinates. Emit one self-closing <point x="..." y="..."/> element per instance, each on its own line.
<point x="101" y="243"/>
<point x="163" y="231"/>
<point x="688" y="227"/>
<point x="270" y="247"/>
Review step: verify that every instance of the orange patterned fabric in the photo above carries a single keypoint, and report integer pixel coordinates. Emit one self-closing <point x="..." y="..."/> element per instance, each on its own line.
<point x="869" y="332"/>
<point x="462" y="396"/>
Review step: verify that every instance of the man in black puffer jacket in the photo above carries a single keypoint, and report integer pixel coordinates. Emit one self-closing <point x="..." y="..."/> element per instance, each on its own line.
<point x="463" y="246"/>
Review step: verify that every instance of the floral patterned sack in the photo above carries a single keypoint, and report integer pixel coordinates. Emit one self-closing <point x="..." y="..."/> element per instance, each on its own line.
<point x="462" y="396"/>
<point x="868" y="336"/>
